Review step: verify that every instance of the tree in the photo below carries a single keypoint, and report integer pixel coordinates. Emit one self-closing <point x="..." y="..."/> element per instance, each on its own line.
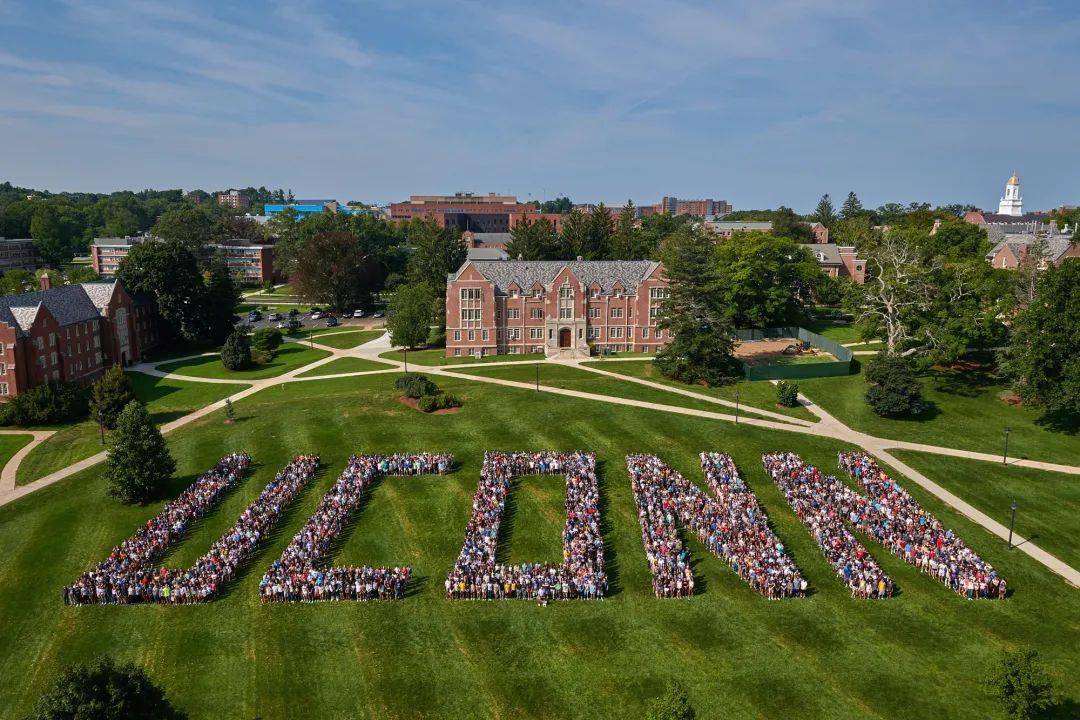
<point x="957" y="240"/>
<point x="763" y="280"/>
<point x="15" y="282"/>
<point x="169" y="271"/>
<point x="265" y="343"/>
<point x="236" y="352"/>
<point x="894" y="390"/>
<point x="825" y="213"/>
<point x="230" y="411"/>
<point x="410" y="314"/>
<point x="702" y="342"/>
<point x="533" y="240"/>
<point x="220" y="299"/>
<point x="599" y="226"/>
<point x="47" y="233"/>
<point x="331" y="271"/>
<point x="851" y="208"/>
<point x="560" y="205"/>
<point x="1042" y="358"/>
<point x="574" y="235"/>
<point x="109" y="395"/>
<point x="787" y="224"/>
<point x="284" y="227"/>
<point x="437" y="252"/>
<point x="138" y="463"/>
<point x="190" y="225"/>
<point x="104" y="691"/>
<point x="51" y="403"/>
<point x="674" y="704"/>
<point x="891" y="213"/>
<point x="787" y="393"/>
<point x="1021" y="686"/>
<point x="858" y="231"/>
<point x="625" y="243"/>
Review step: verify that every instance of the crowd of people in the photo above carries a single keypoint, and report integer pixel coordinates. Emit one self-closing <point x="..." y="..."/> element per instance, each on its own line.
<point x="895" y="519"/>
<point x="128" y="575"/>
<point x="477" y="575"/>
<point x="732" y="526"/>
<point x="296" y="575"/>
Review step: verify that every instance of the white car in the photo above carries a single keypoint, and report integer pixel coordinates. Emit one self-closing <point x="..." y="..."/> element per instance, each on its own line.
<point x="358" y="313"/>
<point x="316" y="315"/>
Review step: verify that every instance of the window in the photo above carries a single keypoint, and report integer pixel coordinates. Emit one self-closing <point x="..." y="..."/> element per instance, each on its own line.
<point x="457" y="352"/>
<point x="3" y="368"/>
<point x="97" y="341"/>
<point x="536" y="313"/>
<point x="457" y="335"/>
<point x="470" y="307"/>
<point x="484" y="335"/>
<point x="657" y="296"/>
<point x="594" y="333"/>
<point x="536" y="333"/>
<point x="470" y="293"/>
<point x="3" y="388"/>
<point x="52" y="339"/>
<point x="472" y="335"/>
<point x="615" y="332"/>
<point x="41" y="361"/>
<point x="52" y="358"/>
<point x="2" y="347"/>
<point x="616" y="312"/>
<point x="39" y="342"/>
<point x="514" y="333"/>
<point x="537" y="292"/>
<point x="645" y="332"/>
<point x="513" y="314"/>
<point x="594" y="294"/>
<point x="594" y="313"/>
<point x="566" y="303"/>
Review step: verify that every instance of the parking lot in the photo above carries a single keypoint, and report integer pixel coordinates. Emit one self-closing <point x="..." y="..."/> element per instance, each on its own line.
<point x="308" y="322"/>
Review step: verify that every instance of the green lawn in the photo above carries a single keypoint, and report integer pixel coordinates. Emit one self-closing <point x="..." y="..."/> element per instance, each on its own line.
<point x="290" y="356"/>
<point x="1047" y="501"/>
<point x="339" y="337"/>
<point x="166" y="399"/>
<point x="11" y="444"/>
<point x="758" y="393"/>
<point x="437" y="356"/>
<point x="838" y="331"/>
<point x="922" y="654"/>
<point x="570" y="378"/>
<point x="345" y="365"/>
<point x="966" y="412"/>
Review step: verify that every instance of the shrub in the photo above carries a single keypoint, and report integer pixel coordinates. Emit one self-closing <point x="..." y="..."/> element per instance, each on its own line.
<point x="236" y="352"/>
<point x="49" y="404"/>
<point x="787" y="393"/>
<point x="438" y="401"/>
<point x="414" y="385"/>
<point x="1021" y="686"/>
<point x="104" y="690"/>
<point x="674" y="704"/>
<point x="139" y="462"/>
<point x="265" y="343"/>
<point x="109" y="395"/>
<point x="894" y="390"/>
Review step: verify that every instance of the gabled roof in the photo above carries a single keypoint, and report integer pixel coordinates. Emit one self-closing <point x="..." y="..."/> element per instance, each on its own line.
<point x="527" y="273"/>
<point x="69" y="304"/>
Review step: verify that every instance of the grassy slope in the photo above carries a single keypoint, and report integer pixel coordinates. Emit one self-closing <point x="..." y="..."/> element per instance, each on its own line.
<point x="437" y="356"/>
<point x="289" y="357"/>
<point x="922" y="654"/>
<point x="166" y="399"/>
<point x="570" y="378"/>
<point x="345" y="365"/>
<point x="966" y="413"/>
<point x="11" y="444"/>
<point x="342" y="338"/>
<point x="757" y="393"/>
<point x="1048" y="501"/>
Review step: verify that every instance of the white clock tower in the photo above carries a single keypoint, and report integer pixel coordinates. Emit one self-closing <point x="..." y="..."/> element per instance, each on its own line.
<point x="1012" y="203"/>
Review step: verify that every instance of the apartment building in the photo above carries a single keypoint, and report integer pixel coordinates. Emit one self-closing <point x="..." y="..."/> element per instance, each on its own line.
<point x="249" y="262"/>
<point x="18" y="254"/>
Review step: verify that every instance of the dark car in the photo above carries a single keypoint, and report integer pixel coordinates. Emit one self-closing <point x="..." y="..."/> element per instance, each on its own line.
<point x="254" y="316"/>
<point x="332" y="321"/>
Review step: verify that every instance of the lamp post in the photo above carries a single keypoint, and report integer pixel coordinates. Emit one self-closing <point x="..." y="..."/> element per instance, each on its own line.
<point x="736" y="406"/>
<point x="537" y="377"/>
<point x="1012" y="522"/>
<point x="406" y="351"/>
<point x="101" y="427"/>
<point x="1005" y="452"/>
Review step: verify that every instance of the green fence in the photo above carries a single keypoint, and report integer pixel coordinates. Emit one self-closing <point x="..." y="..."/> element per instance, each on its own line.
<point x="842" y="365"/>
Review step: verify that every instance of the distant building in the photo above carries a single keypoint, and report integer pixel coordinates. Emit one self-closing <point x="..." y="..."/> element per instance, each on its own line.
<point x="71" y="333"/>
<point x="18" y="254"/>
<point x="726" y="228"/>
<point x="303" y="208"/>
<point x="249" y="263"/>
<point x="835" y="260"/>
<point x="465" y="211"/>
<point x="1013" y="249"/>
<point x="233" y="199"/>
<point x="700" y="208"/>
<point x="194" y="196"/>
<point x="560" y="308"/>
<point x="1012" y="204"/>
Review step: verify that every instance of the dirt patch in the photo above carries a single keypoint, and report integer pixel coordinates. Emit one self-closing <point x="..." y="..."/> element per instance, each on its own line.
<point x="765" y="352"/>
<point x="1011" y="398"/>
<point x="415" y="405"/>
<point x="968" y="366"/>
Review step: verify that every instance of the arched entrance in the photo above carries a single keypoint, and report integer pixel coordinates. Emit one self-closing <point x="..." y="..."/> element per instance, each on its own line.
<point x="565" y="338"/>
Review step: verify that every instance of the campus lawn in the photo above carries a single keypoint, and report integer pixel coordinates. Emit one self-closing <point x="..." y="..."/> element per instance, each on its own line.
<point x="922" y="654"/>
<point x="11" y="444"/>
<point x="838" y="331"/>
<point x="757" y="393"/>
<point x="166" y="399"/>
<point x="1047" y="501"/>
<point x="965" y="412"/>
<point x="346" y="365"/>
<point x="571" y="378"/>
<point x="437" y="356"/>
<point x="342" y="338"/>
<point x="290" y="356"/>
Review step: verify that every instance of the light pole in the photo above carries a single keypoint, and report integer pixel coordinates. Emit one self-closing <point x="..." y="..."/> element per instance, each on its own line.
<point x="1012" y="522"/>
<point x="537" y="377"/>
<point x="101" y="427"/>
<point x="736" y="407"/>
<point x="406" y="351"/>
<point x="1005" y="453"/>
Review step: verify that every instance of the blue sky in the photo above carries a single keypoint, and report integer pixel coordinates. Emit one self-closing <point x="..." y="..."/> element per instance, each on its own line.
<point x="761" y="103"/>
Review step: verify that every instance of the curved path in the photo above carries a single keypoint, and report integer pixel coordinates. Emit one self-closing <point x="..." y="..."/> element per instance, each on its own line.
<point x="826" y="426"/>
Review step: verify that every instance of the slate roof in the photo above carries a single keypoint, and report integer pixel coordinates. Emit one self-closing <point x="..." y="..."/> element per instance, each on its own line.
<point x="826" y="253"/>
<point x="1056" y="246"/>
<point x="487" y="253"/>
<point x="733" y="225"/>
<point x="527" y="273"/>
<point x="492" y="238"/>
<point x="69" y="304"/>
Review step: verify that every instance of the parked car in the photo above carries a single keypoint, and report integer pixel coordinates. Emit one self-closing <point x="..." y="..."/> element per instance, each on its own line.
<point x="358" y="313"/>
<point x="377" y="314"/>
<point x="332" y="321"/>
<point x="316" y="315"/>
<point x="273" y="316"/>
<point x="254" y="316"/>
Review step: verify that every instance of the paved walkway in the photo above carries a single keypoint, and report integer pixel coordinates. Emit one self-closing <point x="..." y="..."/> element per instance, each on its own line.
<point x="827" y="426"/>
<point x="11" y="467"/>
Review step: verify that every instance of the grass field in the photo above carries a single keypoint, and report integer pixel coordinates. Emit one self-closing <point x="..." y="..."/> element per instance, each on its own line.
<point x="290" y="356"/>
<point x="346" y="365"/>
<point x="1047" y="501"/>
<point x="965" y="412"/>
<point x="11" y="444"/>
<point x="570" y="378"/>
<point x="437" y="356"/>
<point x="341" y="338"/>
<point x="758" y="393"/>
<point x="166" y="400"/>
<point x="838" y="331"/>
<point x="922" y="654"/>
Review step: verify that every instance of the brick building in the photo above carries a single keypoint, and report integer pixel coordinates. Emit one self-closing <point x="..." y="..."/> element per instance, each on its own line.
<point x="559" y="308"/>
<point x="1012" y="250"/>
<point x="233" y="199"/>
<point x="18" y="254"/>
<point x="464" y="211"/>
<point x="249" y="262"/>
<point x="701" y="208"/>
<point x="71" y="333"/>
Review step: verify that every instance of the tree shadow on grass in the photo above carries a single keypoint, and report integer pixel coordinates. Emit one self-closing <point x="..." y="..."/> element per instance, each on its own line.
<point x="968" y="383"/>
<point x="1059" y="422"/>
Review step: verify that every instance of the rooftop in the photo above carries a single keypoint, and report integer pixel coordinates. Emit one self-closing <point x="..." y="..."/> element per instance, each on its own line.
<point x="526" y="273"/>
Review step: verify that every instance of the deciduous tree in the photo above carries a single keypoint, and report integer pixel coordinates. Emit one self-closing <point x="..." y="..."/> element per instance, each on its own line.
<point x="104" y="690"/>
<point x="410" y="315"/>
<point x="332" y="270"/>
<point x="109" y="395"/>
<point x="1021" y="686"/>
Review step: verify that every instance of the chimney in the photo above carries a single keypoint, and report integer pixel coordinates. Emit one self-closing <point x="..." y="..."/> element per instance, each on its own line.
<point x="46" y="281"/>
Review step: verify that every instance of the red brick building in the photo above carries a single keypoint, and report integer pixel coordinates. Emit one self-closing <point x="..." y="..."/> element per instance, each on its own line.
<point x="233" y="199"/>
<point x="1012" y="250"/>
<point x="464" y="211"/>
<point x="249" y="263"/>
<point x="70" y="333"/>
<point x="559" y="308"/>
